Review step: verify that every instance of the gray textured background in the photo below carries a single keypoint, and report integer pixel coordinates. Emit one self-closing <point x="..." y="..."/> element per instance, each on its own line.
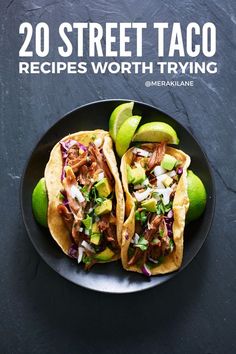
<point x="42" y="313"/>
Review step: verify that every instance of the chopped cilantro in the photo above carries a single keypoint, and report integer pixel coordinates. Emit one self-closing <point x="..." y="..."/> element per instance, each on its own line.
<point x="142" y="244"/>
<point x="141" y="216"/>
<point x="100" y="200"/>
<point x="137" y="215"/>
<point x="85" y="193"/>
<point x="61" y="196"/>
<point x="94" y="196"/>
<point x="93" y="193"/>
<point x="160" y="208"/>
<point x="172" y="245"/>
<point x="168" y="207"/>
<point x="86" y="259"/>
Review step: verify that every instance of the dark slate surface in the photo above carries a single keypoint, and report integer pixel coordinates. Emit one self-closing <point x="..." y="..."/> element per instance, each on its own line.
<point x="41" y="312"/>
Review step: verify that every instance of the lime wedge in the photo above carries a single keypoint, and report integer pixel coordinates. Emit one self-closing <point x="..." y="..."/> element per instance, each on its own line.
<point x="40" y="202"/>
<point x="197" y="197"/>
<point x="118" y="116"/>
<point x="156" y="132"/>
<point x="126" y="133"/>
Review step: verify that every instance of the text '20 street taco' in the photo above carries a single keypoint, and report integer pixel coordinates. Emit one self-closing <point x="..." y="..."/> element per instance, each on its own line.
<point x="86" y="207"/>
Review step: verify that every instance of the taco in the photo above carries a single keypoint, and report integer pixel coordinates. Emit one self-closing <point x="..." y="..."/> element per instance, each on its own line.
<point x="86" y="207"/>
<point x="154" y="178"/>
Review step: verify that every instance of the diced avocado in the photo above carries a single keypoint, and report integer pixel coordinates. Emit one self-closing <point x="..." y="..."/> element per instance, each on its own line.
<point x="168" y="162"/>
<point x="95" y="228"/>
<point x="167" y="182"/>
<point x="103" y="187"/>
<point x="105" y="255"/>
<point x="129" y="174"/>
<point x="96" y="235"/>
<point x="136" y="175"/>
<point x="95" y="239"/>
<point x="139" y="175"/>
<point x="149" y="204"/>
<point x="87" y="222"/>
<point x="104" y="208"/>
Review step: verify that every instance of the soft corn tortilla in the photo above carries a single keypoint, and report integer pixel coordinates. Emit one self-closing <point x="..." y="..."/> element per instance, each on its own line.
<point x="52" y="174"/>
<point x="180" y="207"/>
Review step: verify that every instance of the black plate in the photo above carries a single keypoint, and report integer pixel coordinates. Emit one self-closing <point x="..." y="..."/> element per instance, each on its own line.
<point x="110" y="277"/>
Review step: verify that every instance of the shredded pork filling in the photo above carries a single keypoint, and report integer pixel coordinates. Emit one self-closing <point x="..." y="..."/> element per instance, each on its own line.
<point x="153" y="239"/>
<point x="81" y="170"/>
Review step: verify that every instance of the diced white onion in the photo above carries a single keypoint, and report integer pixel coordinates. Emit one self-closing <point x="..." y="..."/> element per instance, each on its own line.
<point x="100" y="176"/>
<point x="80" y="229"/>
<point x="160" y="185"/>
<point x="138" y="186"/>
<point x="165" y="192"/>
<point x="143" y="195"/>
<point x="158" y="170"/>
<point x="145" y="183"/>
<point x="171" y="173"/>
<point x="98" y="142"/>
<point x="86" y="231"/>
<point x="141" y="152"/>
<point x="161" y="178"/>
<point x="90" y="210"/>
<point x="80" y="254"/>
<point x="136" y="238"/>
<point x="87" y="246"/>
<point x="75" y="193"/>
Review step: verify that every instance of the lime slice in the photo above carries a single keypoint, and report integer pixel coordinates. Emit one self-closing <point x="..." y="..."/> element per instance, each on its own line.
<point x="126" y="133"/>
<point x="118" y="116"/>
<point x="40" y="202"/>
<point x="197" y="197"/>
<point x="156" y="132"/>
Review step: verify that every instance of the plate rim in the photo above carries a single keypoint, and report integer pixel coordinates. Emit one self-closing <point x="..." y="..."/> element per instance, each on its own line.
<point x="167" y="276"/>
